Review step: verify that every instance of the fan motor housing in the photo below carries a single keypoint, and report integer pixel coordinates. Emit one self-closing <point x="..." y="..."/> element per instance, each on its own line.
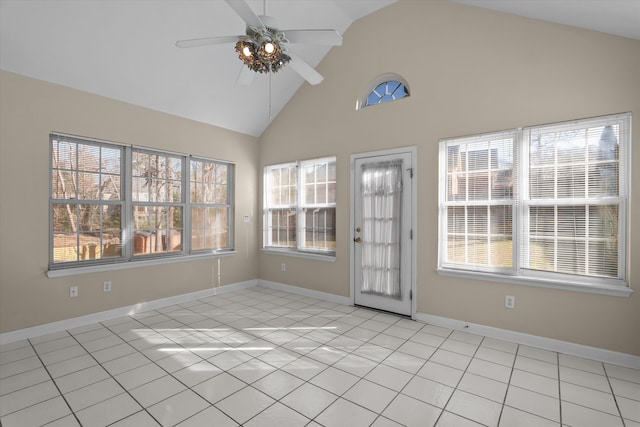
<point x="269" y="31"/>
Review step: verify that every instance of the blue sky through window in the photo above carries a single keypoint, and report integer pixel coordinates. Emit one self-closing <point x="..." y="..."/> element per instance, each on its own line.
<point x="387" y="91"/>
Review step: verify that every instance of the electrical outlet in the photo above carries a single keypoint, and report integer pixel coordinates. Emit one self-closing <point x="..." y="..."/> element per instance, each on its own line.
<point x="510" y="301"/>
<point x="283" y="267"/>
<point x="73" y="291"/>
<point x="106" y="286"/>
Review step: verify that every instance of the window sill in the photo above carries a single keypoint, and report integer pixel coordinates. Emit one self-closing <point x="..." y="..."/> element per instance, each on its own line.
<point x="298" y="254"/>
<point x="613" y="290"/>
<point x="132" y="264"/>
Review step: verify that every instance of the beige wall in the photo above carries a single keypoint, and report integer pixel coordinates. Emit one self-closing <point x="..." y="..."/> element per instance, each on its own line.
<point x="470" y="71"/>
<point x="29" y="111"/>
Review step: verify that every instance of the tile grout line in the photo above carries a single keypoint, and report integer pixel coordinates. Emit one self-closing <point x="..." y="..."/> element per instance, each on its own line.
<point x="288" y="311"/>
<point x="379" y="414"/>
<point x="460" y="380"/>
<point x="205" y="360"/>
<point x="615" y="398"/>
<point x="559" y="389"/>
<point x="307" y="381"/>
<point x="343" y="334"/>
<point x="54" y="383"/>
<point x="240" y="379"/>
<point x="513" y="366"/>
<point x="111" y="375"/>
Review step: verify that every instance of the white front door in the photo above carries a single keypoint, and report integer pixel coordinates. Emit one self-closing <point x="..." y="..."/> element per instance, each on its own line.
<point x="382" y="218"/>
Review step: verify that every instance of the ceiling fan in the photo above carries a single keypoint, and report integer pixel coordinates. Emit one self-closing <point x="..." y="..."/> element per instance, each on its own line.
<point x="265" y="47"/>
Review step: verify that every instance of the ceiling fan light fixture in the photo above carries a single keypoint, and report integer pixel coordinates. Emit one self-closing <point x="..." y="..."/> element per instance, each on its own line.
<point x="269" y="47"/>
<point x="277" y="65"/>
<point x="269" y="52"/>
<point x="263" y="58"/>
<point x="262" y="48"/>
<point x="245" y="51"/>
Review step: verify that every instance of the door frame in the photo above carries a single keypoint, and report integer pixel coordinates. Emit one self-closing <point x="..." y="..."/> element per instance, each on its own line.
<point x="413" y="152"/>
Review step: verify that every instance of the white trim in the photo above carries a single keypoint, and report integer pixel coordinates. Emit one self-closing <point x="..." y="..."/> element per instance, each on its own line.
<point x="413" y="151"/>
<point x="306" y="292"/>
<point x="62" y="325"/>
<point x="386" y="77"/>
<point x="594" y="353"/>
<point x="138" y="263"/>
<point x="594" y="288"/>
<point x="559" y="346"/>
<point x="234" y="287"/>
<point x="298" y="254"/>
<point x="520" y="273"/>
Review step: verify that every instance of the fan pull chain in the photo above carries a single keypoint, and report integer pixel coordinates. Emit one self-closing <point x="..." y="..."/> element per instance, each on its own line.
<point x="270" y="117"/>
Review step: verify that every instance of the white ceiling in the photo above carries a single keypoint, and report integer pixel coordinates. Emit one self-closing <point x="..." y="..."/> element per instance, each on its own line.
<point x="124" y="49"/>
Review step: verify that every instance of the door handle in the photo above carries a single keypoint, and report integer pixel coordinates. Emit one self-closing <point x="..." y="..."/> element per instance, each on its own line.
<point x="357" y="239"/>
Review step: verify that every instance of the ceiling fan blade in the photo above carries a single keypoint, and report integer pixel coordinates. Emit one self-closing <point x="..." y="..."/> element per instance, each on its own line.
<point x="245" y="77"/>
<point x="324" y="37"/>
<point x="305" y="70"/>
<point x="243" y="9"/>
<point x="207" y="41"/>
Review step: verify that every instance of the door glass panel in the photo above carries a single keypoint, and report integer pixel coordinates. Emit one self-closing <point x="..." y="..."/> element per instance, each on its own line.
<point x="381" y="213"/>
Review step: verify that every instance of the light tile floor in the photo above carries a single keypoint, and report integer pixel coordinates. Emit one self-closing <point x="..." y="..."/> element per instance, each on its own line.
<point x="261" y="357"/>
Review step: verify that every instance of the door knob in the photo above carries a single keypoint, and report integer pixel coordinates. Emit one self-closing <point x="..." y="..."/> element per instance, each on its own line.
<point x="357" y="240"/>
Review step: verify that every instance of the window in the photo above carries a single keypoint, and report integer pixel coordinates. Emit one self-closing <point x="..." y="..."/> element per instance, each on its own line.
<point x="112" y="203"/>
<point x="157" y="202"/>
<point x="385" y="92"/>
<point x="544" y="204"/>
<point x="386" y="88"/>
<point x="86" y="200"/>
<point x="300" y="206"/>
<point x="210" y="205"/>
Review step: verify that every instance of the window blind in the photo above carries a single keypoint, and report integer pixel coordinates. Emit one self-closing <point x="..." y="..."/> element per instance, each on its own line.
<point x="479" y="201"/>
<point x="546" y="203"/>
<point x="574" y="199"/>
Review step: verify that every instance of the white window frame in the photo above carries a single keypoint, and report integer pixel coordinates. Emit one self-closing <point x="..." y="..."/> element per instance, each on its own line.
<point x="127" y="257"/>
<point x="300" y="248"/>
<point x="386" y="96"/>
<point x="519" y="273"/>
<point x="131" y="204"/>
<point x="228" y="206"/>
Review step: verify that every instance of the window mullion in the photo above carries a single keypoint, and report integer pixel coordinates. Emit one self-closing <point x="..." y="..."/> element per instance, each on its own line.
<point x="555" y="235"/>
<point x="127" y="220"/>
<point x="488" y="225"/>
<point x="300" y="218"/>
<point x="586" y="240"/>
<point x="466" y="234"/>
<point x="187" y="233"/>
<point x="520" y="177"/>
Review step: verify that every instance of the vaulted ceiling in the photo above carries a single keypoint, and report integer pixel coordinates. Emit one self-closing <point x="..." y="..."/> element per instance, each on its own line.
<point x="126" y="49"/>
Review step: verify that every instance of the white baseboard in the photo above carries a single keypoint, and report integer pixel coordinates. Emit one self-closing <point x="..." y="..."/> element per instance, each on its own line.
<point x="559" y="346"/>
<point x="565" y="347"/>
<point x="235" y="287"/>
<point x="63" y="325"/>
<point x="306" y="292"/>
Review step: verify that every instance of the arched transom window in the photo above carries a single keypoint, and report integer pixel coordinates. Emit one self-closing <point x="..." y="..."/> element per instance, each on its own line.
<point x="389" y="87"/>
